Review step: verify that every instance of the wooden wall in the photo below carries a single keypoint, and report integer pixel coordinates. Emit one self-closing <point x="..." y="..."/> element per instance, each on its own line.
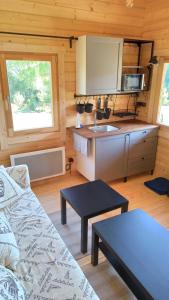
<point x="62" y="17"/>
<point x="70" y="17"/>
<point x="156" y="27"/>
<point x="147" y="19"/>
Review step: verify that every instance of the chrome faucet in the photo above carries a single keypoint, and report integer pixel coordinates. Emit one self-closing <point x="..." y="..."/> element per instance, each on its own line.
<point x="95" y="118"/>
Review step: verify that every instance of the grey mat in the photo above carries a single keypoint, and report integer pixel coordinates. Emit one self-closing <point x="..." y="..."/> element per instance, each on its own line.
<point x="71" y="232"/>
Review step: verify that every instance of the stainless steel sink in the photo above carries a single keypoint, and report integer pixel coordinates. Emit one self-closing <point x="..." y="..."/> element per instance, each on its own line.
<point x="103" y="128"/>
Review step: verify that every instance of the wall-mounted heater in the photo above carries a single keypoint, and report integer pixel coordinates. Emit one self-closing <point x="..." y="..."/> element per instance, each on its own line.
<point x="42" y="164"/>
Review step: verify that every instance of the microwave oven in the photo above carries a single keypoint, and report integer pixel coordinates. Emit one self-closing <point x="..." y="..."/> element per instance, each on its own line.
<point x="132" y="82"/>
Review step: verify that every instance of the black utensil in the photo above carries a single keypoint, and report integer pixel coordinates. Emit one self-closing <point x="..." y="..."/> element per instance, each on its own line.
<point x="80" y="108"/>
<point x="88" y="107"/>
<point x="99" y="114"/>
<point x="106" y="101"/>
<point x="107" y="113"/>
<point x="99" y="103"/>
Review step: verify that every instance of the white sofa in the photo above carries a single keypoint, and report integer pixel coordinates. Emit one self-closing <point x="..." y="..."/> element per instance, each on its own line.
<point x="46" y="268"/>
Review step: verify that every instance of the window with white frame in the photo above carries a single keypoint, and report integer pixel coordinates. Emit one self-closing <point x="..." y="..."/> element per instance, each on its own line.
<point x="163" y="115"/>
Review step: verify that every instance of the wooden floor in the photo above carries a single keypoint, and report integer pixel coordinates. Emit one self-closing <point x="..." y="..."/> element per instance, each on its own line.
<point x="134" y="190"/>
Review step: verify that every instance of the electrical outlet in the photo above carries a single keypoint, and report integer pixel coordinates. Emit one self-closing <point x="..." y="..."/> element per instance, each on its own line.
<point x="140" y="103"/>
<point x="70" y="160"/>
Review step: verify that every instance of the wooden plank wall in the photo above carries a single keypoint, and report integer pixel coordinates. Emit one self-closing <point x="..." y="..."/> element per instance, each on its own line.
<point x="62" y="17"/>
<point x="156" y="27"/>
<point x="70" y="17"/>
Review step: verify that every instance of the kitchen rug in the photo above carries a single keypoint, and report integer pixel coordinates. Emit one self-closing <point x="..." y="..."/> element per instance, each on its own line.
<point x="71" y="232"/>
<point x="159" y="185"/>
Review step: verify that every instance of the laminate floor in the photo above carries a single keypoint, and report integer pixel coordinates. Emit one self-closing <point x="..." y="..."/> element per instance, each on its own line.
<point x="103" y="278"/>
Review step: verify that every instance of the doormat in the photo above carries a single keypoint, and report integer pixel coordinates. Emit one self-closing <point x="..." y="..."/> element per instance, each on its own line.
<point x="159" y="185"/>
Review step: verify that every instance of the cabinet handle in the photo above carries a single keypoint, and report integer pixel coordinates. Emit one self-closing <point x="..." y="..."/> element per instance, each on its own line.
<point x="142" y="158"/>
<point x="144" y="141"/>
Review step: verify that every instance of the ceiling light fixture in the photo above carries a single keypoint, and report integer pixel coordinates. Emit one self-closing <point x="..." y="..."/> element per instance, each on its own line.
<point x="130" y="3"/>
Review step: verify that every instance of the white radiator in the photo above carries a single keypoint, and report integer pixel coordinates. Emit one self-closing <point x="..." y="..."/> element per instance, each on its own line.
<point x="42" y="164"/>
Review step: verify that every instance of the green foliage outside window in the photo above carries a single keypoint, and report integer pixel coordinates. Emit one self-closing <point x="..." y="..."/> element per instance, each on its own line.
<point x="164" y="98"/>
<point x="29" y="85"/>
<point x="165" y="87"/>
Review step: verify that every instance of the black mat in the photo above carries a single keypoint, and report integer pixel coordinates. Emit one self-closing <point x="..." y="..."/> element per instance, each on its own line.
<point x="159" y="185"/>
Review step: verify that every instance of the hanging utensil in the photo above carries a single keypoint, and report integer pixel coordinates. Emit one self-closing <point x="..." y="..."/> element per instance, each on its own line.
<point x="80" y="107"/>
<point x="98" y="106"/>
<point x="106" y="102"/>
<point x="88" y="107"/>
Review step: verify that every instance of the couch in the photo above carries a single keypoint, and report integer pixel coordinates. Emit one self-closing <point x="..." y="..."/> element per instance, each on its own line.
<point x="46" y="268"/>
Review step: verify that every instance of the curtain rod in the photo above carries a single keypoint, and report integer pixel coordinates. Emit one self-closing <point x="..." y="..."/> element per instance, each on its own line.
<point x="70" y="38"/>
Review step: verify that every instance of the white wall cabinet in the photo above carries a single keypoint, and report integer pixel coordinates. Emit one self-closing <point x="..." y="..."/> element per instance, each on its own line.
<point x="98" y="65"/>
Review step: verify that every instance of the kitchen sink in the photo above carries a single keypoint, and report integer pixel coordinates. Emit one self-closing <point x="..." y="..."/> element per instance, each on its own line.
<point x="103" y="128"/>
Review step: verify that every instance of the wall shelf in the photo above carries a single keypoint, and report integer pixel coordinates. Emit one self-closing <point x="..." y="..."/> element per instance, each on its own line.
<point x="115" y="93"/>
<point x="148" y="68"/>
<point x="134" y="67"/>
<point x="126" y="113"/>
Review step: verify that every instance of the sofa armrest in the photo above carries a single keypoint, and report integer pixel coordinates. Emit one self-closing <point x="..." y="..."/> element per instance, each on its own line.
<point x="20" y="174"/>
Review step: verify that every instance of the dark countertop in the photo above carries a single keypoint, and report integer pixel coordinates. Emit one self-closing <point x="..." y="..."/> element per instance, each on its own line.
<point x="124" y="127"/>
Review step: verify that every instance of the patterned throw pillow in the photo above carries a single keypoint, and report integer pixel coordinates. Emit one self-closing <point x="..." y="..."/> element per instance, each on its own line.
<point x="20" y="174"/>
<point x="10" y="191"/>
<point x="10" y="286"/>
<point x="9" y="252"/>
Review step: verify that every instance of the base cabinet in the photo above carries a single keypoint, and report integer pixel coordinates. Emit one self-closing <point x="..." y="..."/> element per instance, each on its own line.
<point x="119" y="156"/>
<point x="111" y="157"/>
<point x="142" y="151"/>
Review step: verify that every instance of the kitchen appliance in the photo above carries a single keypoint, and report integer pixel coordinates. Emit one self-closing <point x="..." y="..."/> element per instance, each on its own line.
<point x="132" y="82"/>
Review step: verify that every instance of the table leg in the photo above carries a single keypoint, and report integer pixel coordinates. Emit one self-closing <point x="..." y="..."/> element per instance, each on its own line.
<point x="95" y="248"/>
<point x="63" y="210"/>
<point x="84" y="234"/>
<point x="124" y="208"/>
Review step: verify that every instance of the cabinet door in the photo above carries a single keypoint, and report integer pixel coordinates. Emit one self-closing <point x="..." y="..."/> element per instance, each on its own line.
<point x="103" y="65"/>
<point x="141" y="164"/>
<point x="111" y="157"/>
<point x="146" y="147"/>
<point x="142" y="151"/>
<point x="140" y="136"/>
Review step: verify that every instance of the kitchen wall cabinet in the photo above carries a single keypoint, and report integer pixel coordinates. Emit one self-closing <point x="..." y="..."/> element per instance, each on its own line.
<point x="119" y="156"/>
<point x="98" y="65"/>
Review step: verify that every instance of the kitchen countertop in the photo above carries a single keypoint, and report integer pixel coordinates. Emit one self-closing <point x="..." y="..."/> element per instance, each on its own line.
<point x="124" y="127"/>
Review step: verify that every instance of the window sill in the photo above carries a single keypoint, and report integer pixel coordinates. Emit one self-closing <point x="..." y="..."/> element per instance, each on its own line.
<point x="163" y="131"/>
<point x="12" y="133"/>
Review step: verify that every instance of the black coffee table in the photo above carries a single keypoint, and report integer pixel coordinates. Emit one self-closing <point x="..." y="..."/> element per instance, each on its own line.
<point x="138" y="248"/>
<point x="89" y="200"/>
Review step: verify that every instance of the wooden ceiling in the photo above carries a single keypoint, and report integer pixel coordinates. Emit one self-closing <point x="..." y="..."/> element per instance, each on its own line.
<point x="72" y="17"/>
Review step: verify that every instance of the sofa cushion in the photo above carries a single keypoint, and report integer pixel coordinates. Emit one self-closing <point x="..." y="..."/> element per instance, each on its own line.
<point x="20" y="174"/>
<point x="46" y="267"/>
<point x="9" y="252"/>
<point x="10" y="287"/>
<point x="10" y="191"/>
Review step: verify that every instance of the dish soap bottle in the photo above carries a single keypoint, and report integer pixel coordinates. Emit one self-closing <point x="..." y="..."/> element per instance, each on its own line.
<point x="78" y="125"/>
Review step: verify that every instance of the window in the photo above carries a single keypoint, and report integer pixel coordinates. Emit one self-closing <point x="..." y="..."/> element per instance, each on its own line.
<point x="29" y="88"/>
<point x="163" y="116"/>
